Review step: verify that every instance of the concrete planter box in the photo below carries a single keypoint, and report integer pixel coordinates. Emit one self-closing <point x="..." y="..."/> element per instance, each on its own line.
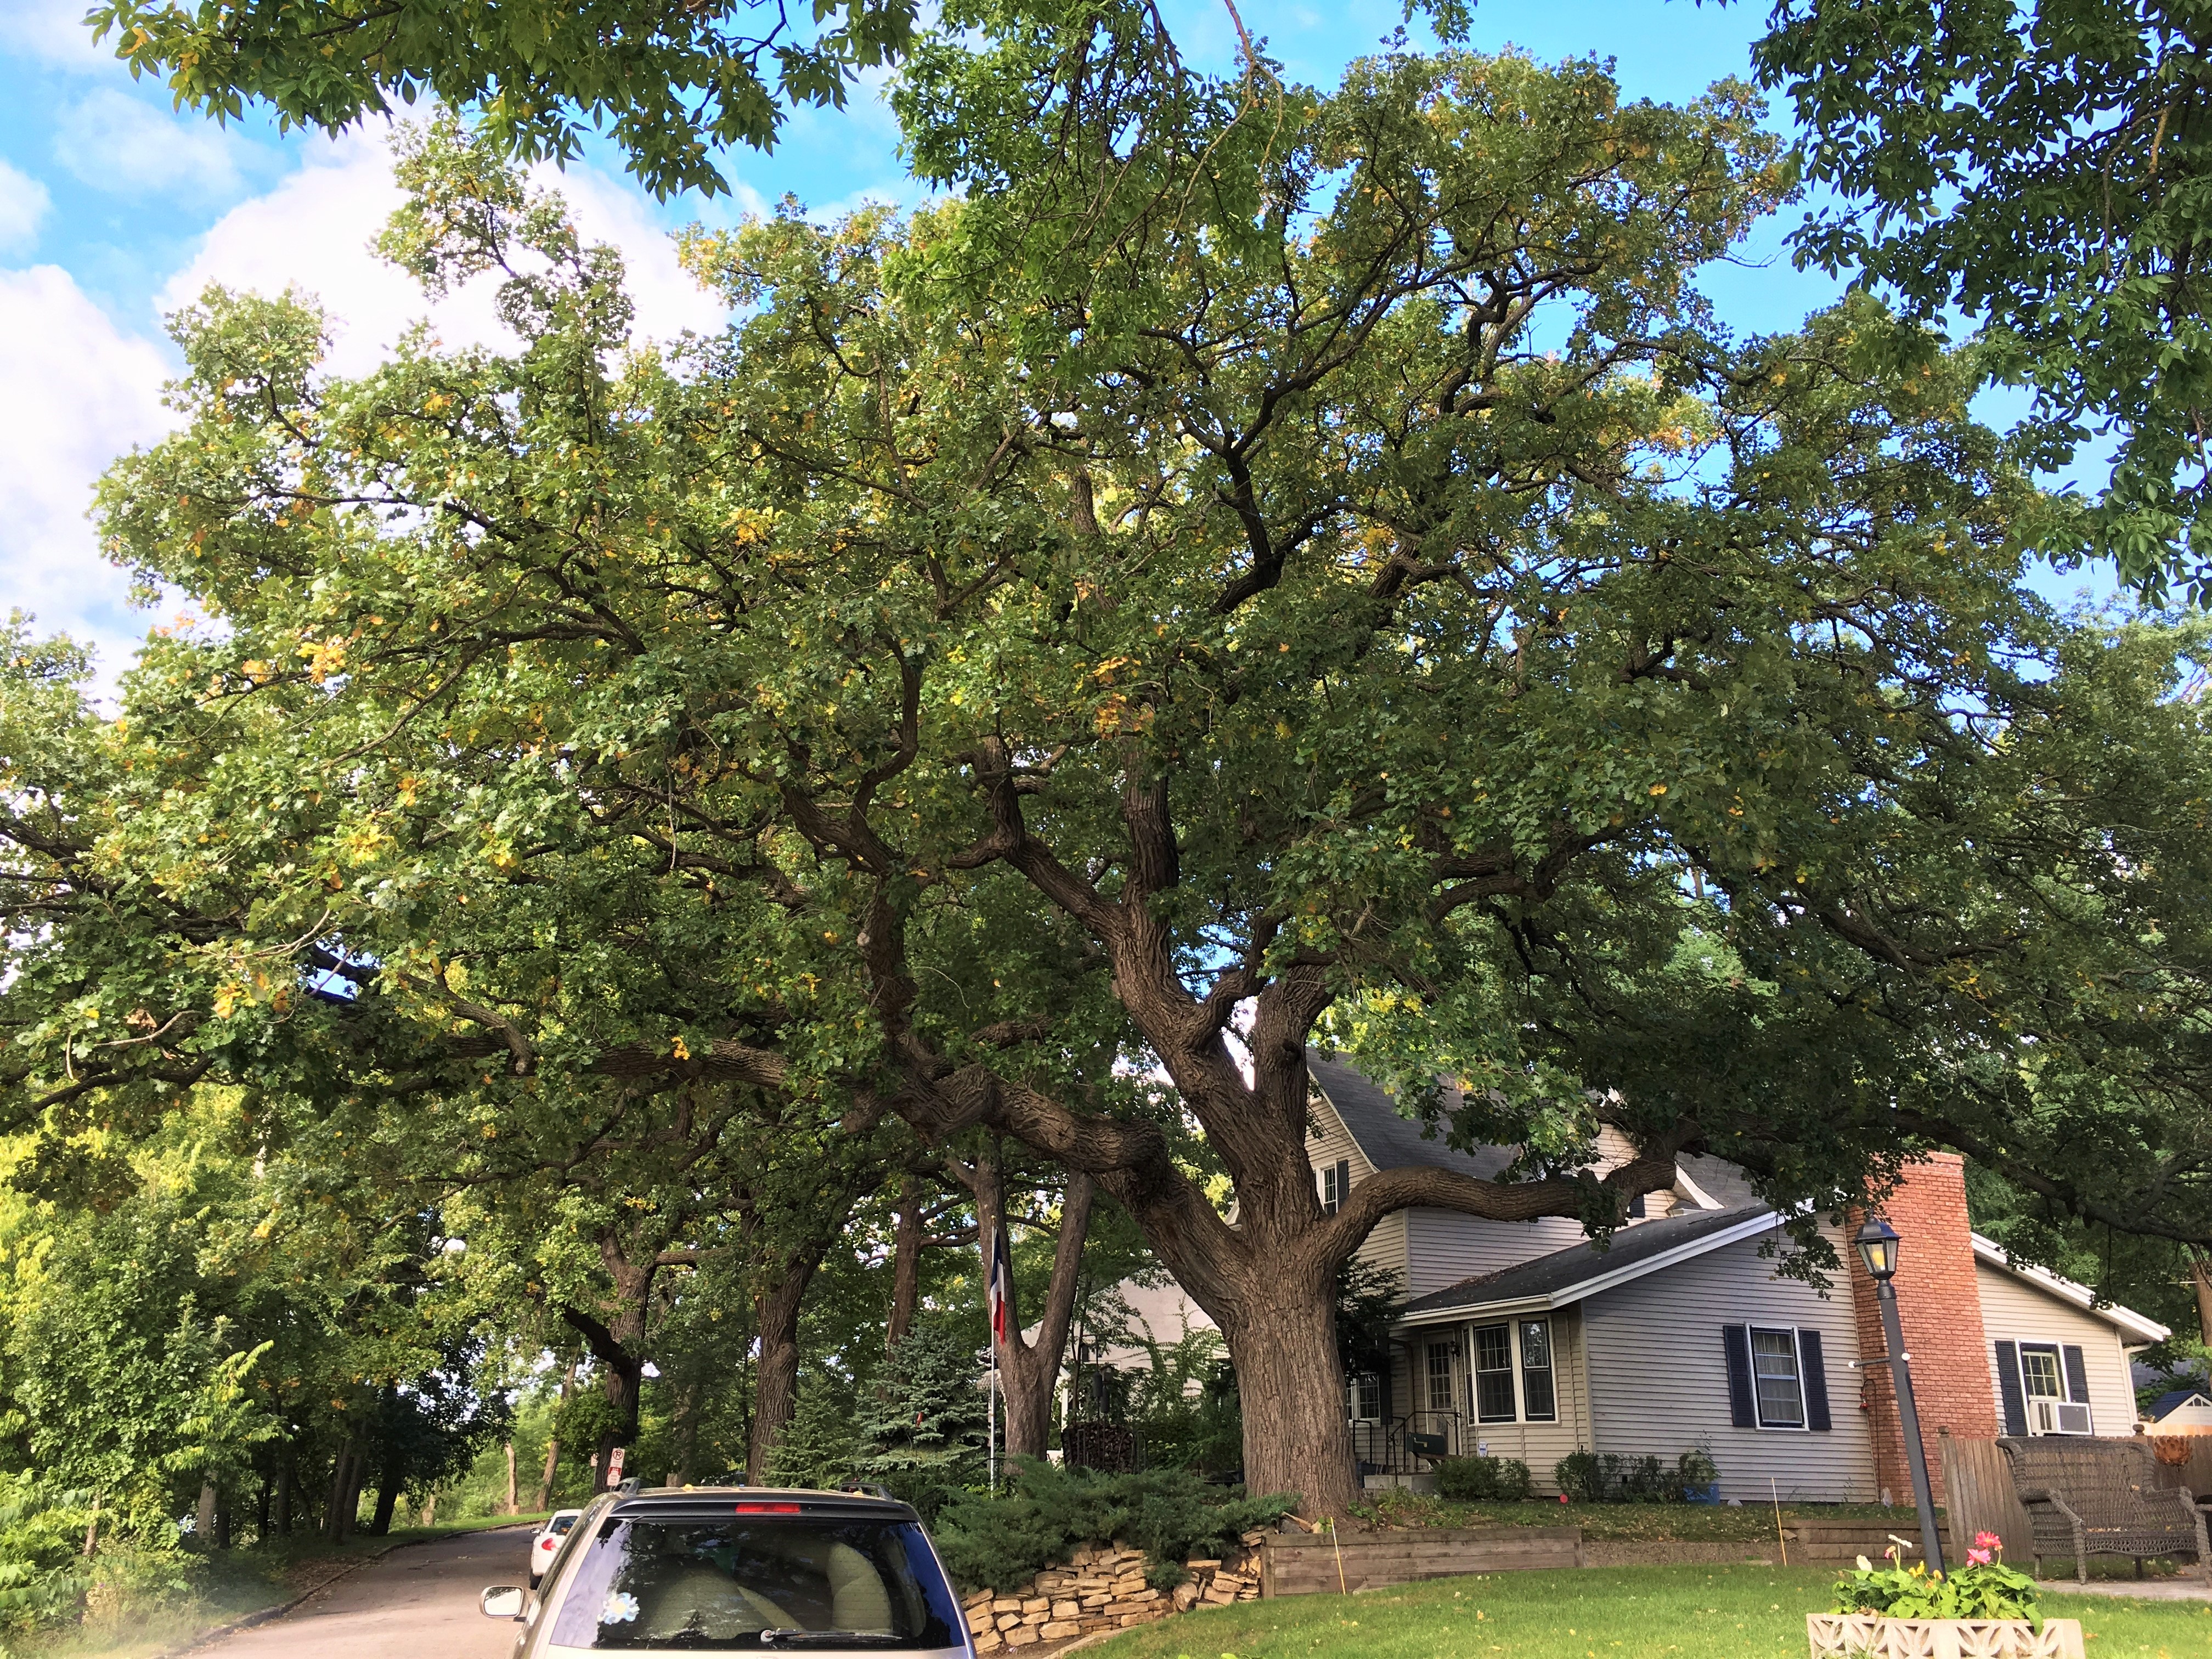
<point x="1868" y="1636"/>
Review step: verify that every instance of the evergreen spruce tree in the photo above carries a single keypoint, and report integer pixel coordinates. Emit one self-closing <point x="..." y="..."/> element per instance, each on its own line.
<point x="925" y="1425"/>
<point x="819" y="1448"/>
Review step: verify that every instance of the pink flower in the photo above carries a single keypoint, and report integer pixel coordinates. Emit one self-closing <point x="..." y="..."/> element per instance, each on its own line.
<point x="1562" y="1497"/>
<point x="1978" y="1557"/>
<point x="1988" y="1540"/>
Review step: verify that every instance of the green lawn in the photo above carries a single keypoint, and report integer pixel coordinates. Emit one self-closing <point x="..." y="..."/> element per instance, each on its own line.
<point x="1697" y="1613"/>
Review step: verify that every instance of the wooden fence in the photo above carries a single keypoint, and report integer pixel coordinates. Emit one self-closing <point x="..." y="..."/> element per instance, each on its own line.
<point x="1978" y="1496"/>
<point x="1310" y="1564"/>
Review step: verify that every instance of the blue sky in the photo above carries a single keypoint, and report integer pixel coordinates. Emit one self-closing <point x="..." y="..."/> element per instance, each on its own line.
<point x="112" y="208"/>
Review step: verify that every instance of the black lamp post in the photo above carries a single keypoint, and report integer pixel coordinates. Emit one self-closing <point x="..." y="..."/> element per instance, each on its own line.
<point x="1878" y="1244"/>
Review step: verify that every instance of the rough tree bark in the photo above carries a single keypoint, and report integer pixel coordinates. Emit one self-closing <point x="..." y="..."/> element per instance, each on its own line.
<point x="618" y="1342"/>
<point x="906" y="1263"/>
<point x="514" y="1505"/>
<point x="1028" y="1371"/>
<point x="553" y="1444"/>
<point x="1267" y="1282"/>
<point x="2200" y="1279"/>
<point x="775" y="1316"/>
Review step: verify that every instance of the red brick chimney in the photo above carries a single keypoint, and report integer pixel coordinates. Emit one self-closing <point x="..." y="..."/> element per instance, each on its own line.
<point x="1942" y="1312"/>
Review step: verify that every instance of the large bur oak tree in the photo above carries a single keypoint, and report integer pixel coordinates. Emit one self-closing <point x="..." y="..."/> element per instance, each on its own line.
<point x="1261" y="565"/>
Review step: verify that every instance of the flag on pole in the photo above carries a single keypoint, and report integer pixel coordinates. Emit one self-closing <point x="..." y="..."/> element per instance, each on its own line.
<point x="1000" y="1287"/>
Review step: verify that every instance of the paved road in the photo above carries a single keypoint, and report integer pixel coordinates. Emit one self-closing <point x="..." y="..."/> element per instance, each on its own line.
<point x="419" y="1603"/>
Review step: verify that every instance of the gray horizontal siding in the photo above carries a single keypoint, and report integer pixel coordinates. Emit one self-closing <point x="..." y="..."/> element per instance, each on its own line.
<point x="1443" y="1247"/>
<point x="1658" y="1377"/>
<point x="2013" y="1311"/>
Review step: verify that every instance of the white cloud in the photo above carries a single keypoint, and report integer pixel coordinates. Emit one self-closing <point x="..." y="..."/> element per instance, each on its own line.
<point x="116" y="143"/>
<point x="80" y="392"/>
<point x="314" y="231"/>
<point x="23" y="203"/>
<point x="83" y="391"/>
<point x="53" y="32"/>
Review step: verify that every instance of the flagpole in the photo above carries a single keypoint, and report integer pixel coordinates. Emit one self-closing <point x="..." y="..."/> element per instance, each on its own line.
<point x="991" y="1299"/>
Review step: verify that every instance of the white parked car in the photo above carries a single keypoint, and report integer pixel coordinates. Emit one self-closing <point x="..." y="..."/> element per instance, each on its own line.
<point x="739" y="1569"/>
<point x="547" y="1540"/>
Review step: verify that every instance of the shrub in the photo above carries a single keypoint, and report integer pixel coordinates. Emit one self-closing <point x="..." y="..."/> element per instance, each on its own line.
<point x="1170" y="1514"/>
<point x="1587" y="1477"/>
<point x="1482" y="1480"/>
<point x="45" y="1579"/>
<point x="1579" y="1475"/>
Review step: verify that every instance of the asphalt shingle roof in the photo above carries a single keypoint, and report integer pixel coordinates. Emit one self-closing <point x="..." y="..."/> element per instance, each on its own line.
<point x="1563" y="1271"/>
<point x="1371" y="1118"/>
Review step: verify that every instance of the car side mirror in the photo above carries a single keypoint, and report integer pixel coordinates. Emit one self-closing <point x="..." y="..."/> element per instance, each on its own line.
<point x="501" y="1602"/>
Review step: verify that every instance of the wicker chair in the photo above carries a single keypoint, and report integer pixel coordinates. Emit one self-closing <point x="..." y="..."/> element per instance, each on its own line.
<point x="2088" y="1497"/>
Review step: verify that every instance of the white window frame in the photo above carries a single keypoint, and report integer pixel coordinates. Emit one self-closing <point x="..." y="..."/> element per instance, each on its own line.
<point x="1331" y="1199"/>
<point x="2065" y="1397"/>
<point x="1804" y="1423"/>
<point x="1475" y="1373"/>
<point x="1430" y="1354"/>
<point x="1520" y="1365"/>
<point x="1356" y="1385"/>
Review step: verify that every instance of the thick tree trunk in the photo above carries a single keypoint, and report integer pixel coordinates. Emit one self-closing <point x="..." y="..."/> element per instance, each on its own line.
<point x="338" y="1523"/>
<point x="280" y="1509"/>
<point x="618" y="1343"/>
<point x="203" y="1516"/>
<point x="261" y="1509"/>
<point x="1029" y="1371"/>
<point x="688" y="1399"/>
<point x="620" y="1382"/>
<point x="1282" y="1341"/>
<point x="350" y="1506"/>
<point x="514" y="1505"/>
<point x="553" y="1444"/>
<point x="392" y="1476"/>
<point x="906" y="1264"/>
<point x="2200" y="1279"/>
<point x="776" y="1374"/>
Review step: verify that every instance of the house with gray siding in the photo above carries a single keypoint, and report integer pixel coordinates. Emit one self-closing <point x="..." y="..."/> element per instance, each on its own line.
<point x="1526" y="1339"/>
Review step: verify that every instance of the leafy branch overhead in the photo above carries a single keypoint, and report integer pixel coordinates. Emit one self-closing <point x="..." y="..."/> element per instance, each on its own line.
<point x="1260" y="567"/>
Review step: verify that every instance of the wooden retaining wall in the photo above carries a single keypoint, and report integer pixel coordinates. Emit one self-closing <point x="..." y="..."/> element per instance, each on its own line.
<point x="1304" y="1564"/>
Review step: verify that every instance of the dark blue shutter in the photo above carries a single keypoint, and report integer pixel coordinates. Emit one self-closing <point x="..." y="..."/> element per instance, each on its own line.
<point x="1816" y="1381"/>
<point x="2077" y="1375"/>
<point x="2011" y="1397"/>
<point x="1736" y="1341"/>
<point x="1343" y="1181"/>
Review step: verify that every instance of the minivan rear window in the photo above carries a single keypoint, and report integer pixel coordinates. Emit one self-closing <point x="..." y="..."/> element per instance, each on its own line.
<point x="745" y="1584"/>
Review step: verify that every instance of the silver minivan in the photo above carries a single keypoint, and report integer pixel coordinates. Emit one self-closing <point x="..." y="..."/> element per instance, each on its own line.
<point x="739" y="1569"/>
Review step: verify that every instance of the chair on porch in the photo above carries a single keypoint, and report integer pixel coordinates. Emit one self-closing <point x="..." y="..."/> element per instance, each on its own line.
<point x="2087" y="1498"/>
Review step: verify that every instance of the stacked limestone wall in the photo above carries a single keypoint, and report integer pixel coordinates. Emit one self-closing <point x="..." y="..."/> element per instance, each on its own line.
<point x="1101" y="1588"/>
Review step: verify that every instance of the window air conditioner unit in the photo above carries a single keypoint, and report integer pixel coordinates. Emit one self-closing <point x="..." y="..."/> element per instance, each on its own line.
<point x="2061" y="1417"/>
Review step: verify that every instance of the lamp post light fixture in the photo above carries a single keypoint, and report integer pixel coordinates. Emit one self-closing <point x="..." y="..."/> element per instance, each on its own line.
<point x="1878" y="1245"/>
